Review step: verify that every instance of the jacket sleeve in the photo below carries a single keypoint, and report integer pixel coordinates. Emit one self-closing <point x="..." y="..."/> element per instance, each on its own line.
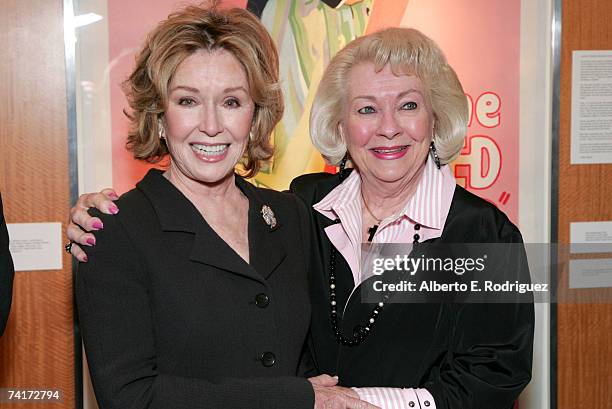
<point x="118" y="332"/>
<point x="489" y="359"/>
<point x="7" y="273"/>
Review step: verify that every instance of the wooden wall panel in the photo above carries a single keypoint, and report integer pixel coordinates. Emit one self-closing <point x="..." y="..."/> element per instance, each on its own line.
<point x="37" y="349"/>
<point x="584" y="348"/>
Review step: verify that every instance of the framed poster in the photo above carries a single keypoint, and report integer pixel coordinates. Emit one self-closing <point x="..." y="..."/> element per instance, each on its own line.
<point x="485" y="52"/>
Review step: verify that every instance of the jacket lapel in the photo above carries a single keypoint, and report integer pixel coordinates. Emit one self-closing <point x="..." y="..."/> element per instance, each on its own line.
<point x="266" y="247"/>
<point x="208" y="248"/>
<point x="177" y="214"/>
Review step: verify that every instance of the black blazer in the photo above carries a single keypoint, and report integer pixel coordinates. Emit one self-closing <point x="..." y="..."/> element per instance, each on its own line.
<point x="466" y="355"/>
<point x="7" y="272"/>
<point x="172" y="317"/>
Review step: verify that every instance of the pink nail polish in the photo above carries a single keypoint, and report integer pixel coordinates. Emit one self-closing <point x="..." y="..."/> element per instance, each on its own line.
<point x="113" y="209"/>
<point x="91" y="241"/>
<point x="98" y="225"/>
<point x="85" y="259"/>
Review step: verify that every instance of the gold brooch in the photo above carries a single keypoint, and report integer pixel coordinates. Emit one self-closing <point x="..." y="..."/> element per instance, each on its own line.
<point x="268" y="216"/>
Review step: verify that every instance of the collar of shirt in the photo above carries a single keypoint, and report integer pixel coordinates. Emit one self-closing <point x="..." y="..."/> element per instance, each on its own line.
<point x="428" y="206"/>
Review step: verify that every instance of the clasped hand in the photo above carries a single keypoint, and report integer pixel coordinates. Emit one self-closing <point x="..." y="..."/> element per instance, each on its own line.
<point x="328" y="395"/>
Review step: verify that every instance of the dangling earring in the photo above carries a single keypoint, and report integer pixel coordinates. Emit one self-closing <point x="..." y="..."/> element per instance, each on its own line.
<point x="160" y="130"/>
<point x="342" y="167"/>
<point x="434" y="154"/>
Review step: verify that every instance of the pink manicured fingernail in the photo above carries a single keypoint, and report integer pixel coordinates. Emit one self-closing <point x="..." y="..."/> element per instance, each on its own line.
<point x="98" y="225"/>
<point x="91" y="241"/>
<point x="114" y="196"/>
<point x="85" y="258"/>
<point x="113" y="209"/>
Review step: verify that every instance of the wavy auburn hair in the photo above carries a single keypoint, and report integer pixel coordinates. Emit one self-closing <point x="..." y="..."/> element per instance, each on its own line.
<point x="181" y="35"/>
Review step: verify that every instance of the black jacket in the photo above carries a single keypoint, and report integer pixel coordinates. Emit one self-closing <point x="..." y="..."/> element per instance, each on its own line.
<point x="466" y="355"/>
<point x="172" y="317"/>
<point x="7" y="273"/>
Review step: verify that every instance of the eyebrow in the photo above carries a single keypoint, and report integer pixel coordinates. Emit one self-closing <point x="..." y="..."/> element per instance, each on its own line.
<point x="197" y="91"/>
<point x="399" y="96"/>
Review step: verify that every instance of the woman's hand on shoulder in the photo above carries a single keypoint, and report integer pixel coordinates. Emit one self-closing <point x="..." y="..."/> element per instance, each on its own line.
<point x="81" y="223"/>
<point x="330" y="396"/>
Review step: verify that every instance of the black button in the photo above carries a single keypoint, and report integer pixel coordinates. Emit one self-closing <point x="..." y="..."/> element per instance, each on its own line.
<point x="268" y="359"/>
<point x="262" y="300"/>
<point x="426" y="403"/>
<point x="358" y="331"/>
<point x="411" y="404"/>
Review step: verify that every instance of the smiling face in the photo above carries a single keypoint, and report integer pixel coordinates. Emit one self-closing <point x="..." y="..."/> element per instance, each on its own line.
<point x="208" y="116"/>
<point x="387" y="125"/>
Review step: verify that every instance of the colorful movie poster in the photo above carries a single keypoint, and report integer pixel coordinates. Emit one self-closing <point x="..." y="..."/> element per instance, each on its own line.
<point x="481" y="40"/>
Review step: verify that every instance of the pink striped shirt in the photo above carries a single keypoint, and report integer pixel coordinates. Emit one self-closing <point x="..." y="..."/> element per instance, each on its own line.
<point x="429" y="207"/>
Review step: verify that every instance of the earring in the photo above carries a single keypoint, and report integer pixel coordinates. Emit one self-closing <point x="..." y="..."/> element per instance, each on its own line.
<point x="434" y="154"/>
<point x="342" y="167"/>
<point x="160" y="129"/>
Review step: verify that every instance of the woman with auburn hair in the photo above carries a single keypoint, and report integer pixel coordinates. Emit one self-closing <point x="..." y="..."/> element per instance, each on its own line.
<point x="195" y="295"/>
<point x="391" y="106"/>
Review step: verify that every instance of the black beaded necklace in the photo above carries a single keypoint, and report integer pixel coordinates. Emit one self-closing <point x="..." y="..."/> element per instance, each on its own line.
<point x="361" y="331"/>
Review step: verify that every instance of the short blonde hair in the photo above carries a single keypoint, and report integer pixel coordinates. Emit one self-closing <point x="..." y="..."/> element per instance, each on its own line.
<point x="182" y="34"/>
<point x="410" y="52"/>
